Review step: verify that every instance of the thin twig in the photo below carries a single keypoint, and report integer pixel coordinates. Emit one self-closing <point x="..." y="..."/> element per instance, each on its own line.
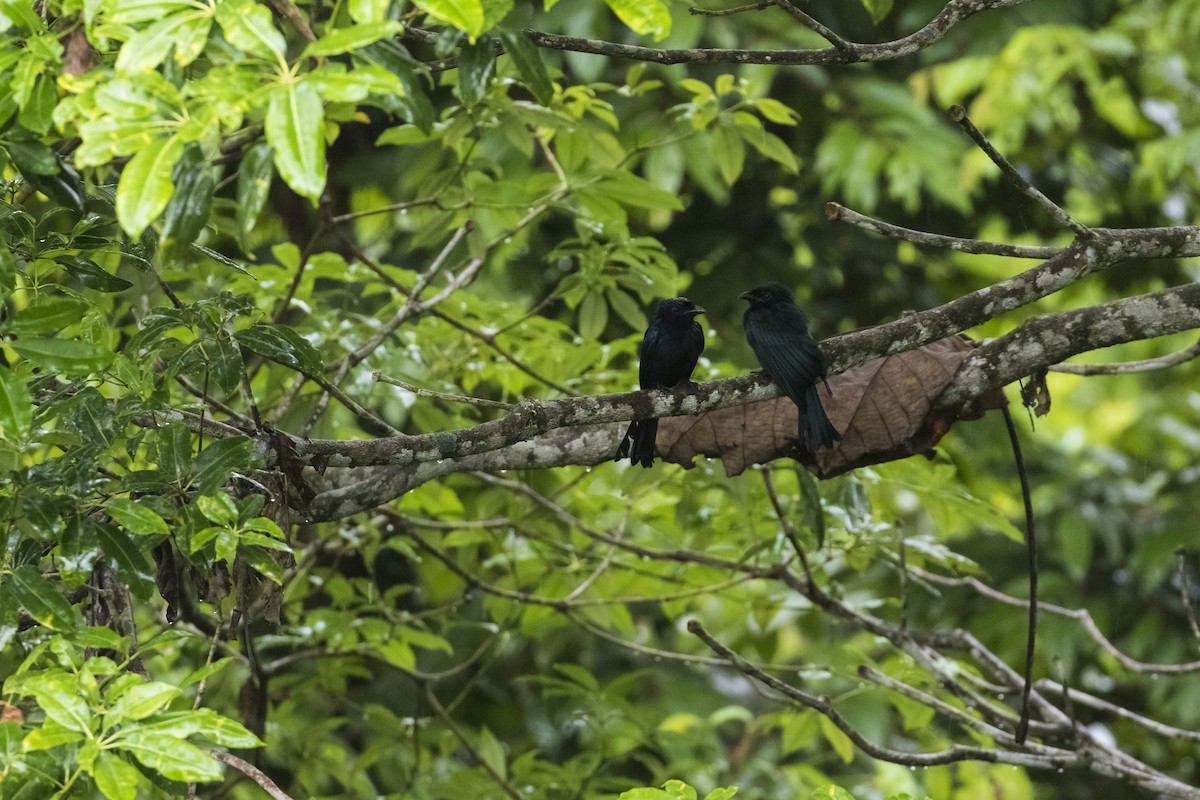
<point x="1031" y="553"/>
<point x="1091" y="701"/>
<point x="726" y="12"/>
<point x="814" y="26"/>
<point x="465" y="741"/>
<point x="959" y="115"/>
<point x="1128" y="367"/>
<point x="453" y="398"/>
<point x="835" y="212"/>
<point x="250" y="771"/>
<point x="786" y="524"/>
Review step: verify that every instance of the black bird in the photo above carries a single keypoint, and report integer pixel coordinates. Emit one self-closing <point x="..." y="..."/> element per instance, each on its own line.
<point x="778" y="333"/>
<point x="672" y="345"/>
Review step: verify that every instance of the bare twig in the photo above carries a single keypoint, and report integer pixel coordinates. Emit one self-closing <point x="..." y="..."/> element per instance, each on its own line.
<point x="813" y="25"/>
<point x="453" y="398"/>
<point x="839" y="213"/>
<point x="959" y="115"/>
<point x="1128" y="367"/>
<point x="725" y="12"/>
<point x="250" y="771"/>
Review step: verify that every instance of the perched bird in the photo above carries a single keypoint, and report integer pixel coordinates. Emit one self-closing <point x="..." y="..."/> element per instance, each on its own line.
<point x="672" y="345"/>
<point x="778" y="333"/>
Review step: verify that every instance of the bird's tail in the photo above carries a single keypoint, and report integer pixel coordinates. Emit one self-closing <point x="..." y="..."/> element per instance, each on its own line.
<point x="638" y="442"/>
<point x="816" y="431"/>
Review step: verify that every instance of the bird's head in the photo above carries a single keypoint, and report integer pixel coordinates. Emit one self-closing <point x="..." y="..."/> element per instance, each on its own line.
<point x="678" y="308"/>
<point x="769" y="294"/>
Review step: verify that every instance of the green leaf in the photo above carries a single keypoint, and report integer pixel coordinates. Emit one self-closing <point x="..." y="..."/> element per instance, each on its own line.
<point x="170" y="756"/>
<point x="145" y="186"/>
<point x="140" y="702"/>
<point x="475" y="65"/>
<point x="282" y="345"/>
<point x="219" y="459"/>
<point x="127" y="557"/>
<point x="295" y="128"/>
<point x="136" y="518"/>
<point x="21" y="14"/>
<point x="65" y="708"/>
<point x="32" y="157"/>
<point x="631" y="190"/>
<point x="627" y="308"/>
<point x="91" y="275"/>
<point x="145" y="50"/>
<point x="647" y="17"/>
<point x="64" y="355"/>
<point x="492" y="752"/>
<point x="254" y="184"/>
<point x="16" y="407"/>
<point x="878" y="9"/>
<point x="187" y="211"/>
<point x="721" y="793"/>
<point x="203" y="673"/>
<point x="839" y="741"/>
<point x="47" y="315"/>
<point x="37" y="112"/>
<point x="776" y="111"/>
<point x="729" y="154"/>
<point x="116" y="778"/>
<point x="50" y="735"/>
<point x="466" y="15"/>
<point x="248" y="26"/>
<point x="593" y="316"/>
<point x="771" y="146"/>
<point x="218" y="508"/>
<point x="173" y="451"/>
<point x="365" y="11"/>
<point x="343" y="40"/>
<point x="528" y="60"/>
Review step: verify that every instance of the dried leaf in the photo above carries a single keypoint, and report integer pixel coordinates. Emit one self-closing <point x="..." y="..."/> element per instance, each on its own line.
<point x="883" y="409"/>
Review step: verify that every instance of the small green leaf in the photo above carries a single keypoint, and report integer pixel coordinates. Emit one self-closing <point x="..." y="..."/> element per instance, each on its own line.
<point x="776" y="111"/>
<point x="528" y="60"/>
<point x="218" y="461"/>
<point x="248" y="26"/>
<point x="91" y="275"/>
<point x="37" y="113"/>
<point x="145" y="186"/>
<point x="838" y="740"/>
<point x="729" y="154"/>
<point x="364" y="11"/>
<point x="146" y="49"/>
<point x="254" y="184"/>
<point x="646" y="17"/>
<point x="32" y="156"/>
<point x="772" y="147"/>
<point x="466" y="15"/>
<point x="475" y="65"/>
<point x="173" y="451"/>
<point x="16" y="407"/>
<point x="295" y="128"/>
<point x="593" y="316"/>
<point x="64" y="355"/>
<point x="115" y="778"/>
<point x="343" y="40"/>
<point x="136" y="518"/>
<point x="66" y="708"/>
<point x="282" y="345"/>
<point x="631" y="190"/>
<point x="627" y="308"/>
<point x="140" y="702"/>
<point x="218" y="508"/>
<point x="21" y="14"/>
<point x="50" y="735"/>
<point x="169" y="756"/>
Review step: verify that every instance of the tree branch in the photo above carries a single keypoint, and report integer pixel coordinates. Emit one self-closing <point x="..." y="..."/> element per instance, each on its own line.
<point x="848" y="53"/>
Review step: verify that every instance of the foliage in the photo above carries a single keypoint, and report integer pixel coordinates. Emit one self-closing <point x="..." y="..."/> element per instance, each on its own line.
<point x="218" y="220"/>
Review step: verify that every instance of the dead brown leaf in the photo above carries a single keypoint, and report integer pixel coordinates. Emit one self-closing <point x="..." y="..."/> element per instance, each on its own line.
<point x="884" y="409"/>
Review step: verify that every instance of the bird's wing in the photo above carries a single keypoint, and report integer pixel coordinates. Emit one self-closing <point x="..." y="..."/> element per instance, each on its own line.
<point x="789" y="355"/>
<point x="649" y="355"/>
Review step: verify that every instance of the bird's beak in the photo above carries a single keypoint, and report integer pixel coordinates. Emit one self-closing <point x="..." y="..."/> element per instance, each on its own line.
<point x="744" y="296"/>
<point x="697" y="310"/>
